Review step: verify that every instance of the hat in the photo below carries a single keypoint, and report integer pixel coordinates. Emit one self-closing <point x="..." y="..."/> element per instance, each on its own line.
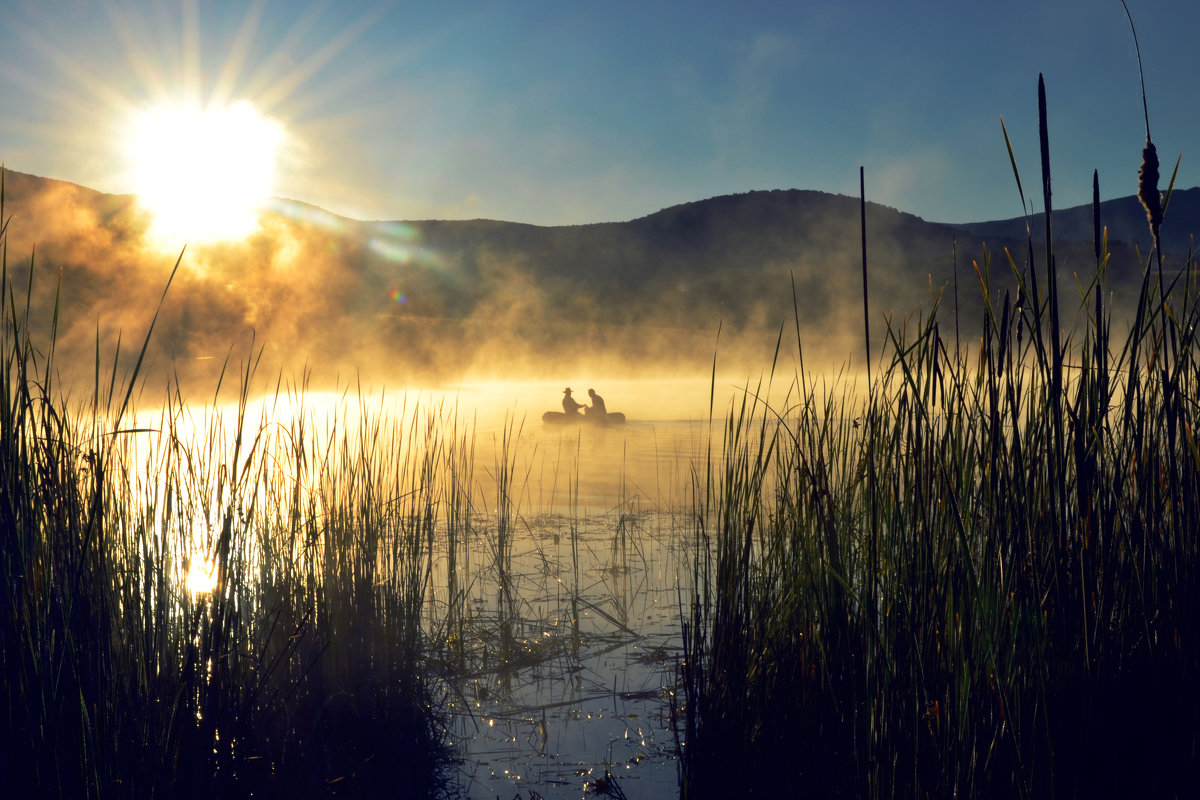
<point x="567" y="390"/>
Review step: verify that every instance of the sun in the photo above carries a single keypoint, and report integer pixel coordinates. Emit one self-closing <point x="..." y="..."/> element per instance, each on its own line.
<point x="203" y="173"/>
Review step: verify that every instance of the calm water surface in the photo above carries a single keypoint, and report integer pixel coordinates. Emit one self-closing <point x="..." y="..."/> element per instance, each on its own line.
<point x="568" y="674"/>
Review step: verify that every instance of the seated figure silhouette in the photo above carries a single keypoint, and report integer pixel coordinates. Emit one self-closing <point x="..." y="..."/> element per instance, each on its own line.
<point x="597" y="407"/>
<point x="569" y="404"/>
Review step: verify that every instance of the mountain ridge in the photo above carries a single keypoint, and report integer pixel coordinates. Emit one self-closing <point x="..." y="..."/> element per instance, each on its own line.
<point x="446" y="297"/>
<point x="1124" y="217"/>
<point x="1127" y="211"/>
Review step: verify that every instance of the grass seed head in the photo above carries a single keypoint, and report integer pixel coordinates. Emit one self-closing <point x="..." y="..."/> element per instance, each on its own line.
<point x="1148" y="188"/>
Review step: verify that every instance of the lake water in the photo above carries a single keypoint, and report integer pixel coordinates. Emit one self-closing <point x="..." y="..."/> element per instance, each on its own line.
<point x="569" y="679"/>
<point x="582" y="681"/>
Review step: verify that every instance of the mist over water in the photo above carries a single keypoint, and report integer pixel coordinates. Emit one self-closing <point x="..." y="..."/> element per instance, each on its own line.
<point x="329" y="302"/>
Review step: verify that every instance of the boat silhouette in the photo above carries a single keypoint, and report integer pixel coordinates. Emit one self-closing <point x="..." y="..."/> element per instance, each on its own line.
<point x="602" y="420"/>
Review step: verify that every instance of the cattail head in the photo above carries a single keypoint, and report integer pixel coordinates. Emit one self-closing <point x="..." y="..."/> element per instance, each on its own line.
<point x="1044" y="137"/>
<point x="1148" y="188"/>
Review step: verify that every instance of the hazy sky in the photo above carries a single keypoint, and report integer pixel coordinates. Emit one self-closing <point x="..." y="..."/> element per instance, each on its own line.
<point x="578" y="111"/>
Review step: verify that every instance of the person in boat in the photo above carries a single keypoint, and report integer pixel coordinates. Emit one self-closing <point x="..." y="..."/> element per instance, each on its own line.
<point x="570" y="405"/>
<point x="596" y="409"/>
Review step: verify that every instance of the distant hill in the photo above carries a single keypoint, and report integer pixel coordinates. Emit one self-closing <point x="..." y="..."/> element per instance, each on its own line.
<point x="1124" y="217"/>
<point x="440" y="298"/>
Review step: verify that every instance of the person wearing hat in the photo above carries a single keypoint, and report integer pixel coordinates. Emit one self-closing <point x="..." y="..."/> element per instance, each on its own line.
<point x="569" y="404"/>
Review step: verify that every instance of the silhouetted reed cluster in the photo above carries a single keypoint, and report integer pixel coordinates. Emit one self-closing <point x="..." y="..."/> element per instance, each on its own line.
<point x="296" y="669"/>
<point x="978" y="581"/>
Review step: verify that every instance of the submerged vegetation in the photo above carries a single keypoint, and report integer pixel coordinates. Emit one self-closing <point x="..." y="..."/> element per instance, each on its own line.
<point x="978" y="581"/>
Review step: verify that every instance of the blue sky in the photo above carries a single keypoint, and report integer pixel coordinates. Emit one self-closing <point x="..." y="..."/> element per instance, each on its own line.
<point x="583" y="111"/>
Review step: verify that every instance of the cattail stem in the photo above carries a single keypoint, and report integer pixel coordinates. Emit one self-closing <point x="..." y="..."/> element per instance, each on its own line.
<point x="1141" y="74"/>
<point x="862" y="202"/>
<point x="1056" y="353"/>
